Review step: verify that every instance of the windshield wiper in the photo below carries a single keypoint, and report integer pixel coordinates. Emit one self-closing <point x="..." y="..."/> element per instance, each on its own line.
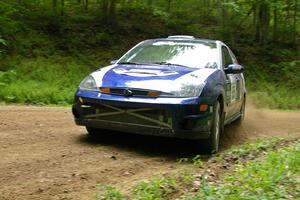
<point x="170" y="64"/>
<point x="130" y="63"/>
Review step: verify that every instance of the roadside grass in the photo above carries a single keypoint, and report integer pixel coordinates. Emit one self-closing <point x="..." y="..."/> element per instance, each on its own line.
<point x="274" y="97"/>
<point x="275" y="176"/>
<point x="110" y="193"/>
<point x="261" y="144"/>
<point x="155" y="189"/>
<point x="42" y="81"/>
<point x="273" y="84"/>
<point x="265" y="169"/>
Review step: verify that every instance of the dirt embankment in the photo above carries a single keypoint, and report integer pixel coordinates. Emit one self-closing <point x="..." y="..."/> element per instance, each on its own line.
<point x="43" y="155"/>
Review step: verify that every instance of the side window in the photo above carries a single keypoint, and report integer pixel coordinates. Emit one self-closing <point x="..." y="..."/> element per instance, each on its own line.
<point x="233" y="57"/>
<point x="226" y="58"/>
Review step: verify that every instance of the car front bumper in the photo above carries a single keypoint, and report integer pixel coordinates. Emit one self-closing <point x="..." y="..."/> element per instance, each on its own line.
<point x="168" y="117"/>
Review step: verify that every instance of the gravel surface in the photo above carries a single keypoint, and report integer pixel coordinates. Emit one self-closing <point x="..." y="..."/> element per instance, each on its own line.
<point x="44" y="155"/>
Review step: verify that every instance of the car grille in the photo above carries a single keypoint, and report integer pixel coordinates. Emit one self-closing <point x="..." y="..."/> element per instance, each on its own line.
<point x="130" y="92"/>
<point x="121" y="91"/>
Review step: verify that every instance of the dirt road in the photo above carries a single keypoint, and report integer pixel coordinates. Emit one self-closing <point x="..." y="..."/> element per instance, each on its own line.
<point x="43" y="155"/>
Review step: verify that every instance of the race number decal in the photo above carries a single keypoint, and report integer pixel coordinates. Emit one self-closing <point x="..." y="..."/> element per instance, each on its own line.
<point x="233" y="89"/>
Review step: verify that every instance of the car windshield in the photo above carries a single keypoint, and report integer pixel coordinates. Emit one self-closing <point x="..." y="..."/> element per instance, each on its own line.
<point x="176" y="53"/>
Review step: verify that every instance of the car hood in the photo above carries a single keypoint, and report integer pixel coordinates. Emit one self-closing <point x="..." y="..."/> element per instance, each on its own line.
<point x="151" y="77"/>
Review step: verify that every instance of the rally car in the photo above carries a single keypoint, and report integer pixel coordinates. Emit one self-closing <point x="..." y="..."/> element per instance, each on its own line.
<point x="179" y="86"/>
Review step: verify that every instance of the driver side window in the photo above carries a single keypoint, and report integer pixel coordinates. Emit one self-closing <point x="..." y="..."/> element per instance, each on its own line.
<point x="226" y="58"/>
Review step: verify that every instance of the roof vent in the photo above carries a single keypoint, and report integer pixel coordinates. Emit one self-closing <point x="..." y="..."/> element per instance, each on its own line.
<point x="181" y="37"/>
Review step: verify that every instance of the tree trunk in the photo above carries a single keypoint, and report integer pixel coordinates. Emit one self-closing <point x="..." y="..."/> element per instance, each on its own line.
<point x="111" y="13"/>
<point x="62" y="11"/>
<point x="287" y="36"/>
<point x="295" y="23"/>
<point x="86" y="4"/>
<point x="104" y="10"/>
<point x="221" y="15"/>
<point x="54" y="6"/>
<point x="262" y="12"/>
<point x="275" y="25"/>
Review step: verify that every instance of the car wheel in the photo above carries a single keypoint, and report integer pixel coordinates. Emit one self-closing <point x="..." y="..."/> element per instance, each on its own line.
<point x="213" y="141"/>
<point x="242" y="112"/>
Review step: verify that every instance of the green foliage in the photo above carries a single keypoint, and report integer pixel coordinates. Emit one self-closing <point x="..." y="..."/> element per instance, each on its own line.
<point x="188" y="180"/>
<point x="267" y="95"/>
<point x="272" y="177"/>
<point x="2" y="41"/>
<point x="274" y="85"/>
<point x="91" y="33"/>
<point x="2" y="44"/>
<point x="104" y="39"/>
<point x="8" y="25"/>
<point x="246" y="149"/>
<point x="269" y="176"/>
<point x="7" y="77"/>
<point x="155" y="189"/>
<point x="196" y="160"/>
<point x="36" y="81"/>
<point x="111" y="194"/>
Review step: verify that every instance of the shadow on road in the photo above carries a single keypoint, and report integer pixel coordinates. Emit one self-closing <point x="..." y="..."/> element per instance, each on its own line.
<point x="143" y="144"/>
<point x="159" y="146"/>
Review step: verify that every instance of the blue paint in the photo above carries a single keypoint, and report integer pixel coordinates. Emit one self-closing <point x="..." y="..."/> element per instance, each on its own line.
<point x="112" y="79"/>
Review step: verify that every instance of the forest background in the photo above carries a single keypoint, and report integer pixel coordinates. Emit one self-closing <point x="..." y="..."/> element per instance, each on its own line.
<point x="48" y="46"/>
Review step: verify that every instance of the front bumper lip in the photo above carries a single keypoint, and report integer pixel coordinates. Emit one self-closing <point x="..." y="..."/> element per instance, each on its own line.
<point x="186" y="123"/>
<point x="198" y="133"/>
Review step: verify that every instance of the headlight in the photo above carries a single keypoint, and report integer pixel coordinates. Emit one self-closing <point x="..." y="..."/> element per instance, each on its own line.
<point x="88" y="83"/>
<point x="187" y="90"/>
<point x="184" y="90"/>
<point x="188" y="85"/>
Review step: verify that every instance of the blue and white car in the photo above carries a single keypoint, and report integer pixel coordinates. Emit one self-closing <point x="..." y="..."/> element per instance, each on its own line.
<point x="178" y="86"/>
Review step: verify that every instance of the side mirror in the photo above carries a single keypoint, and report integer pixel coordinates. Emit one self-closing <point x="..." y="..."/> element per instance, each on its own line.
<point x="113" y="62"/>
<point x="234" y="69"/>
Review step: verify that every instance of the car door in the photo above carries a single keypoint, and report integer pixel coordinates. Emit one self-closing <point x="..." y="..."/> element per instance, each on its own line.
<point x="239" y="79"/>
<point x="231" y="84"/>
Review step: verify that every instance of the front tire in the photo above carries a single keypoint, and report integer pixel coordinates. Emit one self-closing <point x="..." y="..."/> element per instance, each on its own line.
<point x="214" y="139"/>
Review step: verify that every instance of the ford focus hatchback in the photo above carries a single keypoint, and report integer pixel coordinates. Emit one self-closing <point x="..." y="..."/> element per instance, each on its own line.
<point x="178" y="86"/>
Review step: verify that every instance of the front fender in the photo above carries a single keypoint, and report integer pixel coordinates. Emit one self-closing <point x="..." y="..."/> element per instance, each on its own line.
<point x="215" y="87"/>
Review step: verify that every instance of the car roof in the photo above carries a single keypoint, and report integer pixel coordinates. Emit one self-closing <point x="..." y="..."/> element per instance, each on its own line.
<point x="184" y="38"/>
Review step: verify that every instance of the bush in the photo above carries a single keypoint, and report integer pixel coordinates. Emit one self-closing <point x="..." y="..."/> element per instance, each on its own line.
<point x="42" y="81"/>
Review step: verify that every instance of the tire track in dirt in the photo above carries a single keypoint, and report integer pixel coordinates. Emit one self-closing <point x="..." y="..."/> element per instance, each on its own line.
<point x="43" y="155"/>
